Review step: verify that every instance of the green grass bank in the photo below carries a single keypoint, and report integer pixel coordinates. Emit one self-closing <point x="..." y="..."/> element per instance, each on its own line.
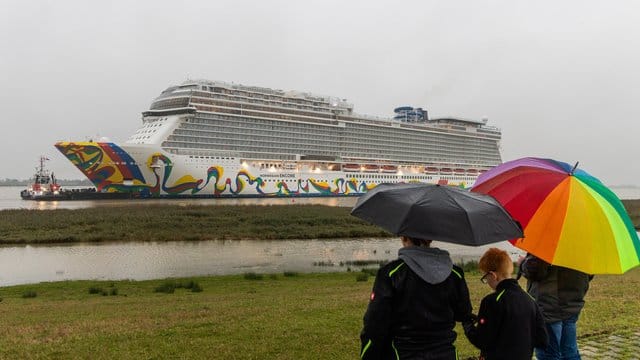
<point x="182" y="223"/>
<point x="192" y="223"/>
<point x="298" y="316"/>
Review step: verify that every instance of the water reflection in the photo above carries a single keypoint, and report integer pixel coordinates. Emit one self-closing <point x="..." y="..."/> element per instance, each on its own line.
<point x="10" y="199"/>
<point x="153" y="260"/>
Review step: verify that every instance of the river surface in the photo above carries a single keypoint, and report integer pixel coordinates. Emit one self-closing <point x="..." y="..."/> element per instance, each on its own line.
<point x="143" y="261"/>
<point x="156" y="260"/>
<point x="10" y="199"/>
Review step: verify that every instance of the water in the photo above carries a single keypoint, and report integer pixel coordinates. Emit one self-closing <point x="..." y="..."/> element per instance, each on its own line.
<point x="10" y="199"/>
<point x="627" y="192"/>
<point x="142" y="261"/>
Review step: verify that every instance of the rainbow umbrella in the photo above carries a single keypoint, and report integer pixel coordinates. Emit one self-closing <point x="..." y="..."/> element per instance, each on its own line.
<point x="569" y="217"/>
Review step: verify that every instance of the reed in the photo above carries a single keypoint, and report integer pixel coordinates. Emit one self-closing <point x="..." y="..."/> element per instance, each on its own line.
<point x="182" y="223"/>
<point x="29" y="294"/>
<point x="253" y="276"/>
<point x="169" y="286"/>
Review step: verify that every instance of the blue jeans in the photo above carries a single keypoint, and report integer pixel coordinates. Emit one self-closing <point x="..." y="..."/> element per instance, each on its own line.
<point x="562" y="341"/>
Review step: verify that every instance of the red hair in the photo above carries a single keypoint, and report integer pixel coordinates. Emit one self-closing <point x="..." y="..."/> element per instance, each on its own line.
<point x="496" y="260"/>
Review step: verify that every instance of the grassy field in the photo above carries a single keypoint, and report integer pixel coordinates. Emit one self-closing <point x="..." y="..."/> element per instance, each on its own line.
<point x="182" y="223"/>
<point x="300" y="316"/>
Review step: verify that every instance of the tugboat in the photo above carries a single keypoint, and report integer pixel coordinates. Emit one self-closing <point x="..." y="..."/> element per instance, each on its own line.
<point x="44" y="186"/>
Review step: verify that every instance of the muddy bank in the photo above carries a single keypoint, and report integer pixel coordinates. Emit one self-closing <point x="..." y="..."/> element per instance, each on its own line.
<point x="633" y="208"/>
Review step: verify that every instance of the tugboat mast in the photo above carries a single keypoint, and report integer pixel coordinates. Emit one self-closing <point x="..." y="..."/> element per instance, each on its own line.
<point x="42" y="174"/>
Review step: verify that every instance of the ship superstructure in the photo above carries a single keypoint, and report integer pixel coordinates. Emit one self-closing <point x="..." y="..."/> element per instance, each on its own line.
<point x="210" y="138"/>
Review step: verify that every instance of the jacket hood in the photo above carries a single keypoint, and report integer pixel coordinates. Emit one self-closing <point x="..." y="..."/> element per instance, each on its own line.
<point x="432" y="265"/>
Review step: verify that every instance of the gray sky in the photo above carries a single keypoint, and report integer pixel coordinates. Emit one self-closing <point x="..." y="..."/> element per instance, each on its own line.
<point x="560" y="78"/>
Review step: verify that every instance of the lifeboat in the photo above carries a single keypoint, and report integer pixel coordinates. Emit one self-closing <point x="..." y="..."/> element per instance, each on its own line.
<point x="472" y="171"/>
<point x="431" y="170"/>
<point x="482" y="171"/>
<point x="389" y="168"/>
<point x="445" y="170"/>
<point x="459" y="171"/>
<point x="350" y="167"/>
<point x="370" y="168"/>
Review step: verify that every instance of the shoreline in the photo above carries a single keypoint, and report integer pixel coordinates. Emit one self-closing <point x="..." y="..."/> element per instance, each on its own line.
<point x="161" y="223"/>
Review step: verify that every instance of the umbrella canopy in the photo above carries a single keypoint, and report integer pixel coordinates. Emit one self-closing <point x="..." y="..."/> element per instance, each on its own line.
<point x="569" y="217"/>
<point x="434" y="212"/>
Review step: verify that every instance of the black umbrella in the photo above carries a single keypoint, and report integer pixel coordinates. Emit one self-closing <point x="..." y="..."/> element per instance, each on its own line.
<point x="434" y="212"/>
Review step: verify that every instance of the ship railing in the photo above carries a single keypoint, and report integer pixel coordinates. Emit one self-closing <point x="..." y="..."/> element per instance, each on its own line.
<point x="369" y="119"/>
<point x="276" y="92"/>
<point x="489" y="128"/>
<point x="321" y="108"/>
<point x="372" y="117"/>
<point x="196" y="152"/>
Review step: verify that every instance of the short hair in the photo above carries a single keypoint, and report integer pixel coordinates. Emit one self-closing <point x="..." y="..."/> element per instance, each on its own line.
<point x="496" y="260"/>
<point x="419" y="242"/>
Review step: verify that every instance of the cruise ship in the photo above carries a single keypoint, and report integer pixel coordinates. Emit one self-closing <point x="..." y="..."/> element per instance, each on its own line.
<point x="217" y="139"/>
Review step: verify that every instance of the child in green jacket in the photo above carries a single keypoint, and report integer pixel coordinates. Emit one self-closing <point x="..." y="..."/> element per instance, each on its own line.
<point x="509" y="323"/>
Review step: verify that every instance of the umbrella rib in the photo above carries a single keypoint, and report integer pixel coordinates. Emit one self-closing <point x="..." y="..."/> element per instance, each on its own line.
<point x="466" y="215"/>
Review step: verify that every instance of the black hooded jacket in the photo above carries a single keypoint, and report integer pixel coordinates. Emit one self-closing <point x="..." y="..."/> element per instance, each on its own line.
<point x="414" y="305"/>
<point x="510" y="324"/>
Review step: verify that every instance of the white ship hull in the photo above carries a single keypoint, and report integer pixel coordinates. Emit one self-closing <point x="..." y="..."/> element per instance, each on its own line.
<point x="151" y="171"/>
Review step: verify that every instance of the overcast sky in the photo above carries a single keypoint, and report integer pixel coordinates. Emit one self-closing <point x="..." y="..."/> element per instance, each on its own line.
<point x="560" y="78"/>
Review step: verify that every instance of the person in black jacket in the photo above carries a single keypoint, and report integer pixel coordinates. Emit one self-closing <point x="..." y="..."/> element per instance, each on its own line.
<point x="510" y="323"/>
<point x="414" y="305"/>
<point x="560" y="293"/>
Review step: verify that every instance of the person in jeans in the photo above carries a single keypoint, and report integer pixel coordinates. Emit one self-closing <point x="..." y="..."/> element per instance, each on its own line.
<point x="560" y="293"/>
<point x="510" y="323"/>
<point x="415" y="303"/>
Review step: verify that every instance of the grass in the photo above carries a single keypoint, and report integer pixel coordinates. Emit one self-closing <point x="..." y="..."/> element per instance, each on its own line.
<point x="182" y="223"/>
<point x="306" y="316"/>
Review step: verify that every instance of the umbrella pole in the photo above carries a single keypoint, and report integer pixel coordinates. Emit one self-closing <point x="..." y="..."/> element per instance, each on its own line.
<point x="574" y="167"/>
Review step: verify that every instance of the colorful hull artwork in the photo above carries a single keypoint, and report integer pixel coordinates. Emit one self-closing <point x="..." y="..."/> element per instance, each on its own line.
<point x="151" y="172"/>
